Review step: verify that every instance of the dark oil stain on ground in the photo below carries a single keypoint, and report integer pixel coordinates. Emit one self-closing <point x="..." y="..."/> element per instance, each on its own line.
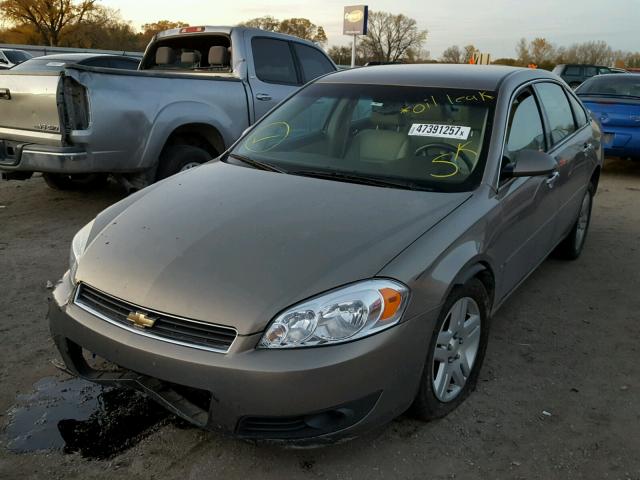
<point x="74" y="415"/>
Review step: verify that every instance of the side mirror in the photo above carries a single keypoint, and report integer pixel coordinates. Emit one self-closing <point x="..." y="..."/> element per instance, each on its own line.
<point x="530" y="163"/>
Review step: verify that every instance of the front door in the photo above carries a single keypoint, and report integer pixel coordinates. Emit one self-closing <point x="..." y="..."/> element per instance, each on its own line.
<point x="272" y="74"/>
<point x="528" y="204"/>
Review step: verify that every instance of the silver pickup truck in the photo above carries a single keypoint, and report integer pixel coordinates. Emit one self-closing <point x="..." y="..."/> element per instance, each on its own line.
<point x="197" y="90"/>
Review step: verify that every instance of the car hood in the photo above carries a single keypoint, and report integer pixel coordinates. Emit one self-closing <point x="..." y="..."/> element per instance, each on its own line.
<point x="234" y="246"/>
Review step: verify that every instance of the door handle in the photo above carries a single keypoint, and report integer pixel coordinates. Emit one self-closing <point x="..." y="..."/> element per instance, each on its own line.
<point x="553" y="178"/>
<point x="264" y="97"/>
<point x="5" y="93"/>
<point x="587" y="147"/>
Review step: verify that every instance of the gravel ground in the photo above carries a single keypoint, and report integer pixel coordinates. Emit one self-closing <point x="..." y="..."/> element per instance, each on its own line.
<point x="558" y="395"/>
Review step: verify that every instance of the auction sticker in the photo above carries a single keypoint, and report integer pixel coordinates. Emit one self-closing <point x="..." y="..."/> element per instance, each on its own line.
<point x="440" y="131"/>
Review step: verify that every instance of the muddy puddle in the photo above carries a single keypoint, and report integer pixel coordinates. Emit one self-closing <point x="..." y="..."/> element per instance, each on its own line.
<point x="73" y="415"/>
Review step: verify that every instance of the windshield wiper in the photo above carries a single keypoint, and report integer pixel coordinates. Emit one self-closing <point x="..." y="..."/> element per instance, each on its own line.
<point x="257" y="164"/>
<point x="360" y="179"/>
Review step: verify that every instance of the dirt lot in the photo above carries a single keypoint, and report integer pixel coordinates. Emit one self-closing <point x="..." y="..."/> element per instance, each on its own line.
<point x="566" y="344"/>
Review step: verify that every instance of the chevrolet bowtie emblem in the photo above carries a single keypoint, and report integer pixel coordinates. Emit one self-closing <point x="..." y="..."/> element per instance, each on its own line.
<point x="140" y="319"/>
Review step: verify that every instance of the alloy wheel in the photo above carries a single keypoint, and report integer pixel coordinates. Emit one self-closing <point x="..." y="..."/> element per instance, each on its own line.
<point x="456" y="349"/>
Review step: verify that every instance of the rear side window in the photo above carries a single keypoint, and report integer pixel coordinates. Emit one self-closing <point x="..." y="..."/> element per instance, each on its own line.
<point x="525" y="131"/>
<point x="590" y="71"/>
<point x="273" y="61"/>
<point x="555" y="103"/>
<point x="312" y="61"/>
<point x="578" y="111"/>
<point x="572" y="70"/>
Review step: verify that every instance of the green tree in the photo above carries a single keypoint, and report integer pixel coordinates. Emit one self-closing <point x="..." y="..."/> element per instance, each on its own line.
<point x="268" y="23"/>
<point x="151" y="29"/>
<point x="390" y="37"/>
<point x="51" y="19"/>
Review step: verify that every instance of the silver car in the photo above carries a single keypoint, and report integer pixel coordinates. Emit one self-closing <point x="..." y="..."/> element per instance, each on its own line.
<point x="341" y="262"/>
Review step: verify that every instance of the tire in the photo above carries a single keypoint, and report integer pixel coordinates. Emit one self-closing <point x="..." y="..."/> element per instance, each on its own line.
<point x="87" y="181"/>
<point x="176" y="158"/>
<point x="430" y="403"/>
<point x="571" y="247"/>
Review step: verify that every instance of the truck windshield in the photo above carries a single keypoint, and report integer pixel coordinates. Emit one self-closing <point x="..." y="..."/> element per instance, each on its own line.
<point x="428" y="138"/>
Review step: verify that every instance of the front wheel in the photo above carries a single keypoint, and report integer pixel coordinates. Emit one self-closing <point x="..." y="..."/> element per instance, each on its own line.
<point x="177" y="158"/>
<point x="571" y="247"/>
<point x="456" y="352"/>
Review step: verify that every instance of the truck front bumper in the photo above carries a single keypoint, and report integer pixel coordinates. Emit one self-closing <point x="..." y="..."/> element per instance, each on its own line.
<point x="309" y="395"/>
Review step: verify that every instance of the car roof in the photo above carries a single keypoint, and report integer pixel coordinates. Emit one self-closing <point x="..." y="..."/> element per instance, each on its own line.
<point x="464" y="76"/>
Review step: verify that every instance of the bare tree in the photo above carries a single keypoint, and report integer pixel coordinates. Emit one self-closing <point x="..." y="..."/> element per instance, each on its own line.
<point x="541" y="51"/>
<point x="452" y="54"/>
<point x="391" y="36"/>
<point x="267" y="23"/>
<point x="48" y="17"/>
<point x="300" y="27"/>
<point x="522" y="52"/>
<point x="468" y="53"/>
<point x="592" y="52"/>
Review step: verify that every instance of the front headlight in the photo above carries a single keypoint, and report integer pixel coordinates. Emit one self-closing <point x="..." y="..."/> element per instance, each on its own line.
<point x="345" y="314"/>
<point x="78" y="244"/>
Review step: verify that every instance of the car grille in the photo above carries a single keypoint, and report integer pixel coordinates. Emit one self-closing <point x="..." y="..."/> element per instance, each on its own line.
<point x="190" y="333"/>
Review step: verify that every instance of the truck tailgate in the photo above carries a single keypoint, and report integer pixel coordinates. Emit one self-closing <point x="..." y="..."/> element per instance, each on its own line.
<point x="29" y="109"/>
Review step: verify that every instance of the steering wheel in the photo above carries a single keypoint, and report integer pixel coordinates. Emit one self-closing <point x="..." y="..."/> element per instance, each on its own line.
<point x="461" y="155"/>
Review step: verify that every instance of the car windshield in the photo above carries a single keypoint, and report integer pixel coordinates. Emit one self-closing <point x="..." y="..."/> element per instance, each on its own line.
<point x="611" y="85"/>
<point x="16" y="56"/>
<point x="409" y="137"/>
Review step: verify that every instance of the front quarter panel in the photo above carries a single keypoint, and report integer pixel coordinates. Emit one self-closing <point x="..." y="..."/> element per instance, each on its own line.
<point x="439" y="259"/>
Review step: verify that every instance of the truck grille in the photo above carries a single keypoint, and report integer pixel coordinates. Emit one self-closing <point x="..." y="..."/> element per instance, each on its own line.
<point x="181" y="331"/>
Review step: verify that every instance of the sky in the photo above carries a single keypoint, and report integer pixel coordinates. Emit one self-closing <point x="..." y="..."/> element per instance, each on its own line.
<point x="493" y="26"/>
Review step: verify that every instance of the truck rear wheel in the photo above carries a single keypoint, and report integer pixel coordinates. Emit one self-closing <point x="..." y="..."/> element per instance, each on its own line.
<point x="84" y="181"/>
<point x="176" y="158"/>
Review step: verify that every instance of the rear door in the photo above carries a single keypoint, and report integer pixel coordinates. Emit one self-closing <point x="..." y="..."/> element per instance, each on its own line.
<point x="29" y="109"/>
<point x="273" y="74"/>
<point x="570" y="145"/>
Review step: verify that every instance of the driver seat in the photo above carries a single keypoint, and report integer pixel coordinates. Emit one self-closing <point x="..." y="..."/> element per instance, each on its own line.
<point x="387" y="142"/>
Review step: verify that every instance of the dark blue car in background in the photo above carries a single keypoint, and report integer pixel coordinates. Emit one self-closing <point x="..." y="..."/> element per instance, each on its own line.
<point x="614" y="101"/>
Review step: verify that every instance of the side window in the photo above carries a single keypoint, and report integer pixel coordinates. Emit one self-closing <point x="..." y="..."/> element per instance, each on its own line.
<point x="578" y="111"/>
<point x="312" y="61"/>
<point x="572" y="70"/>
<point x="98" y="62"/>
<point x="602" y="70"/>
<point x="124" y="64"/>
<point x="590" y="71"/>
<point x="525" y="131"/>
<point x="362" y="109"/>
<point x="273" y="61"/>
<point x="555" y="104"/>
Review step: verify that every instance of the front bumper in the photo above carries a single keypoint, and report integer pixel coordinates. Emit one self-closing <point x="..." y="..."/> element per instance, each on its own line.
<point x="307" y="395"/>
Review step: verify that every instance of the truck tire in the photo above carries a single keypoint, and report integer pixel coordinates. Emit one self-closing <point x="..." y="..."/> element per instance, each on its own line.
<point x="85" y="181"/>
<point x="176" y="158"/>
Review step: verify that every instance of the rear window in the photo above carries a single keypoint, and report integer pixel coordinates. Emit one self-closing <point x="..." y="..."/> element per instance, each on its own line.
<point x="618" y="85"/>
<point x="190" y="52"/>
<point x="16" y="56"/>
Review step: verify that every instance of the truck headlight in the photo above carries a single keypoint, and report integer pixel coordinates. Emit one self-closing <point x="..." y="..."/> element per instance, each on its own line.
<point x="342" y="315"/>
<point x="78" y="245"/>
